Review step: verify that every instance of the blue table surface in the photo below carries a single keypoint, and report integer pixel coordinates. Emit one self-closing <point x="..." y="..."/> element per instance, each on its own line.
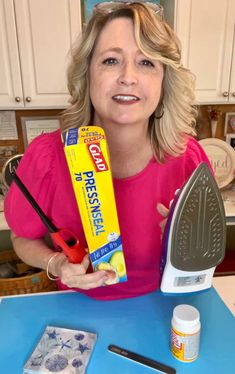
<point x="140" y="324"/>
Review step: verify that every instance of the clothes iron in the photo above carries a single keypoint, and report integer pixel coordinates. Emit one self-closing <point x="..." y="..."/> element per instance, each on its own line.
<point x="194" y="238"/>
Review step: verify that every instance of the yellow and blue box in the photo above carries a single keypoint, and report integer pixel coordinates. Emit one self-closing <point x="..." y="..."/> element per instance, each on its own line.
<point x="87" y="157"/>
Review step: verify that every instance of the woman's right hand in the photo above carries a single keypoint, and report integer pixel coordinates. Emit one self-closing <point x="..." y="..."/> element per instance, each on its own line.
<point x="37" y="253"/>
<point x="75" y="275"/>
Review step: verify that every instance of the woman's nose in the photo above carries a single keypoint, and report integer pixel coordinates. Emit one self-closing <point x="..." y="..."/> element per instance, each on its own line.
<point x="128" y="74"/>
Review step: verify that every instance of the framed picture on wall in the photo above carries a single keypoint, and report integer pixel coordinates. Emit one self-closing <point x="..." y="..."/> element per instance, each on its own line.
<point x="87" y="6"/>
<point x="229" y="126"/>
<point x="230" y="139"/>
<point x="34" y="126"/>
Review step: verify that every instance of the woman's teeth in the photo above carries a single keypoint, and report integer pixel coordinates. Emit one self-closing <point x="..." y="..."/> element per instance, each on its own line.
<point x="125" y="97"/>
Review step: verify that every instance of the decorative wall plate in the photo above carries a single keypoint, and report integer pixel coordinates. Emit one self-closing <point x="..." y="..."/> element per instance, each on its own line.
<point x="9" y="168"/>
<point x="222" y="159"/>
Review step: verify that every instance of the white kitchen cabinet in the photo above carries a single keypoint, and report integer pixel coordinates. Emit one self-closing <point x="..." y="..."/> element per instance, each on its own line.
<point x="35" y="38"/>
<point x="206" y="30"/>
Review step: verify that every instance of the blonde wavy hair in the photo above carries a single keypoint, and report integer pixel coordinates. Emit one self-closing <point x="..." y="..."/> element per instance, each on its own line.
<point x="157" y="41"/>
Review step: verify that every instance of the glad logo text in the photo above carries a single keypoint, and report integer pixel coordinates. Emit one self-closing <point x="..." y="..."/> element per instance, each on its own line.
<point x="97" y="156"/>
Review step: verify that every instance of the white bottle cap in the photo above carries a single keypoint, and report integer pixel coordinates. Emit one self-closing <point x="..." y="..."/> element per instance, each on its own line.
<point x="186" y="314"/>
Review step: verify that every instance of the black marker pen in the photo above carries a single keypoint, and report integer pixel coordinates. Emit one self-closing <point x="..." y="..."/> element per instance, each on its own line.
<point x="162" y="368"/>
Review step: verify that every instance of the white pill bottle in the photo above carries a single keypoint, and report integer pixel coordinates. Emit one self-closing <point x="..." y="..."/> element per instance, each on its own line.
<point x="185" y="333"/>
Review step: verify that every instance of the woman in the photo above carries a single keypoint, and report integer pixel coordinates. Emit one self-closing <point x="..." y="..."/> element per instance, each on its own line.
<point x="125" y="76"/>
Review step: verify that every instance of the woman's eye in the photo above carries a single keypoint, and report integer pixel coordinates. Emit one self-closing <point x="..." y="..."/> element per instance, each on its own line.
<point x="146" y="63"/>
<point x="110" y="61"/>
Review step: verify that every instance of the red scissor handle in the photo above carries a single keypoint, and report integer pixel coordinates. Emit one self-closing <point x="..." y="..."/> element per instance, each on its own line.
<point x="67" y="242"/>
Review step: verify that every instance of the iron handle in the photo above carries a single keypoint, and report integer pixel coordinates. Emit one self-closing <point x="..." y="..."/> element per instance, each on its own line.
<point x="233" y="94"/>
<point x="28" y="99"/>
<point x="17" y="99"/>
<point x="225" y="93"/>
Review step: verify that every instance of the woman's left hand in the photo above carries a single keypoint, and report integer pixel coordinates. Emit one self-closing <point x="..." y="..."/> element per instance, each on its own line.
<point x="164" y="213"/>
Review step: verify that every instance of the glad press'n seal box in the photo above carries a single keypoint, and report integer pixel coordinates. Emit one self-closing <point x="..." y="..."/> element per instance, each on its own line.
<point x="86" y="153"/>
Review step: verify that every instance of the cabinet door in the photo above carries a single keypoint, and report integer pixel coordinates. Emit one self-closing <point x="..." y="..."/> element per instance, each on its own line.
<point x="11" y="94"/>
<point x="45" y="31"/>
<point x="206" y="30"/>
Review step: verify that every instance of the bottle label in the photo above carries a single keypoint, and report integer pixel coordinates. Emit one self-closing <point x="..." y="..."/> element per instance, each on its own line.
<point x="185" y="347"/>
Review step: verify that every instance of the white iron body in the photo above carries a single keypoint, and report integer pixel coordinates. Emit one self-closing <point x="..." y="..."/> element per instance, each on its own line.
<point x="181" y="281"/>
<point x="195" y="235"/>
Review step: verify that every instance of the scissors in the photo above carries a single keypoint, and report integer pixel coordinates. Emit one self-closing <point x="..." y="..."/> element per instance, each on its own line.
<point x="64" y="240"/>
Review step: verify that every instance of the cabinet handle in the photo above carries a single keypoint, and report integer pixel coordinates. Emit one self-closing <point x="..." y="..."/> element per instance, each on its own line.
<point x="233" y="94"/>
<point x="225" y="93"/>
<point x="28" y="99"/>
<point x="17" y="99"/>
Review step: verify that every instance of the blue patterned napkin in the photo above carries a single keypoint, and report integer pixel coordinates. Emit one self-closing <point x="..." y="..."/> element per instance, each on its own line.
<point x="61" y="351"/>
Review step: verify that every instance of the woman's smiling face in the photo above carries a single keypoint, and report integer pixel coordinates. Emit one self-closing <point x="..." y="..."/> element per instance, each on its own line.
<point x="125" y="85"/>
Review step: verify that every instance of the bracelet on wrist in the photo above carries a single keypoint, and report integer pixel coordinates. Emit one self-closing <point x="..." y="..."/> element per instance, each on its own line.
<point x="49" y="275"/>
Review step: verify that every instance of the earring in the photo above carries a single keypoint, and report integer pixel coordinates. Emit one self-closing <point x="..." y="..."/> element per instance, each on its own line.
<point x="162" y="113"/>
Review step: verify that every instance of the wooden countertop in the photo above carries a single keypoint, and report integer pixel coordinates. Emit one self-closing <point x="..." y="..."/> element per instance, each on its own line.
<point x="225" y="286"/>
